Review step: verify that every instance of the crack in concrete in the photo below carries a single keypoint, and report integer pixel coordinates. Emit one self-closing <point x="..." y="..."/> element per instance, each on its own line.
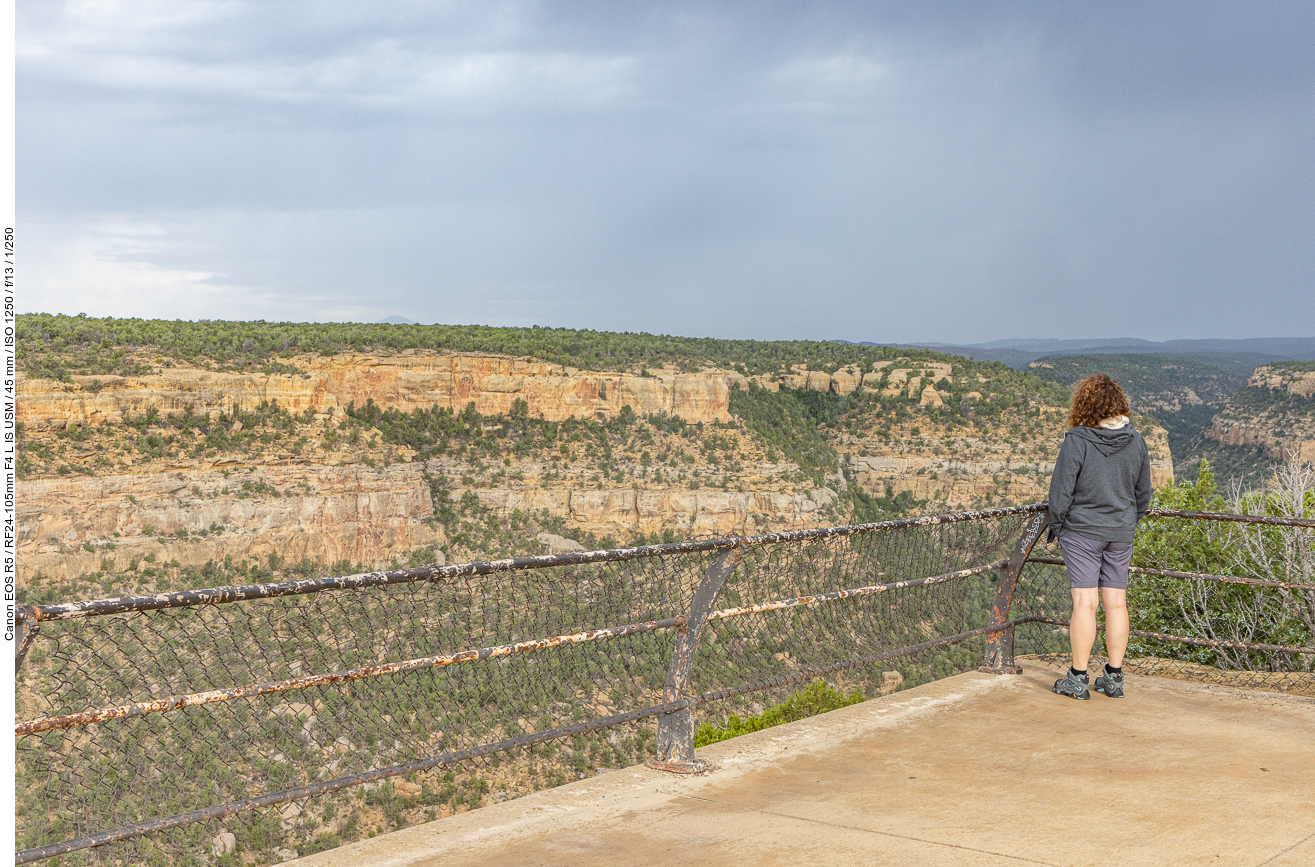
<point x="1278" y="855"/>
<point x="1018" y="858"/>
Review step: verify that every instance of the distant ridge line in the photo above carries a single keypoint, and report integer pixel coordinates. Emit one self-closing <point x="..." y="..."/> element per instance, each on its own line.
<point x="1019" y="352"/>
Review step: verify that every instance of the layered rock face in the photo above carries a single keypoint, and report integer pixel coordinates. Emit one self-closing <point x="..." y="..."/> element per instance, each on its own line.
<point x="493" y="383"/>
<point x="965" y="472"/>
<point x="73" y="526"/>
<point x="1275" y="413"/>
<point x="1254" y="433"/>
<point x="1277" y="377"/>
<point x="328" y="506"/>
<point x="332" y="498"/>
<point x="623" y="512"/>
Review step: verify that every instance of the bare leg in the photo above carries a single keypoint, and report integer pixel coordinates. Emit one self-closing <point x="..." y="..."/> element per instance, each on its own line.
<point x="1116" y="623"/>
<point x="1082" y="625"/>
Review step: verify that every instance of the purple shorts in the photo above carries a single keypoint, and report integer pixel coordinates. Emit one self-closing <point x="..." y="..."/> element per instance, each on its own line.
<point x="1095" y="564"/>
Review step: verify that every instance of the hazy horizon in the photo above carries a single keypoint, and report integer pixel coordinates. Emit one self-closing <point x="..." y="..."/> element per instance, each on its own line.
<point x="1024" y="343"/>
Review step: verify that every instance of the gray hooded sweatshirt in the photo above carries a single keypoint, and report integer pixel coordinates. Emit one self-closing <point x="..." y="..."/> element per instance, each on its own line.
<point x="1101" y="486"/>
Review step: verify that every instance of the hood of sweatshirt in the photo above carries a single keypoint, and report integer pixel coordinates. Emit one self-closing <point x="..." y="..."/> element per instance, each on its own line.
<point x="1107" y="442"/>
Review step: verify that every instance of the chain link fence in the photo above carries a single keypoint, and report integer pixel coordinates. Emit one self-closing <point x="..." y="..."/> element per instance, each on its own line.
<point x="250" y="724"/>
<point x="154" y="726"/>
<point x="1227" y="599"/>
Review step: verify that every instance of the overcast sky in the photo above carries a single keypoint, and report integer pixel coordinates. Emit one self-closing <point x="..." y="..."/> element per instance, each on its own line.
<point x="896" y="172"/>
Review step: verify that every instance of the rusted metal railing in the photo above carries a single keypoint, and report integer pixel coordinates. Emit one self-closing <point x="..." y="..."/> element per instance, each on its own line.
<point x="1232" y="614"/>
<point x="999" y="657"/>
<point x="136" y="689"/>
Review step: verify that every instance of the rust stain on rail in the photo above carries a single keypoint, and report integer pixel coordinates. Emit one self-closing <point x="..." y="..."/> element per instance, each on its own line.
<point x="782" y="604"/>
<point x="1225" y="517"/>
<point x="1186" y="639"/>
<point x="218" y="695"/>
<point x="249" y="592"/>
<point x="1194" y="576"/>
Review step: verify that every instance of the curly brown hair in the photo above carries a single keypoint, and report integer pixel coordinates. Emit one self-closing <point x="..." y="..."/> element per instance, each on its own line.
<point x="1095" y="398"/>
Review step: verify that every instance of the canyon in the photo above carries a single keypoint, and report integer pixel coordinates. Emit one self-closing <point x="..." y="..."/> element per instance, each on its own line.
<point x="1275" y="413"/>
<point x="100" y="496"/>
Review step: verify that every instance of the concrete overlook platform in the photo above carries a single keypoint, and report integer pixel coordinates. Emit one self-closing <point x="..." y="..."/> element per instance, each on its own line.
<point x="971" y="770"/>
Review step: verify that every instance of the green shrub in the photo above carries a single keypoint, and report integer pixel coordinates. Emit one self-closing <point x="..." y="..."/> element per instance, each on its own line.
<point x="810" y="701"/>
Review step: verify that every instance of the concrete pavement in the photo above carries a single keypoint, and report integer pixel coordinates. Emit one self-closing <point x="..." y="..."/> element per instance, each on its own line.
<point x="971" y="770"/>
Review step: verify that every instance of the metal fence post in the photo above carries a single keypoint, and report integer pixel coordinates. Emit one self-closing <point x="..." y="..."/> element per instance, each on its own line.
<point x="999" y="657"/>
<point x="675" y="740"/>
<point x="27" y="628"/>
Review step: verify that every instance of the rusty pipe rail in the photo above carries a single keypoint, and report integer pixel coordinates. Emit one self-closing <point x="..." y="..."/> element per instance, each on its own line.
<point x="1184" y="639"/>
<point x="1230" y="518"/>
<point x="176" y="702"/>
<point x="248" y="592"/>
<point x="784" y="604"/>
<point x="1194" y="576"/>
<point x="998" y="656"/>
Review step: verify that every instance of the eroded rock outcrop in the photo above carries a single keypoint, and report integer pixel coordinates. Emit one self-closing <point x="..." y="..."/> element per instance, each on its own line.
<point x="624" y="512"/>
<point x="71" y="526"/>
<point x="493" y="383"/>
<point x="1284" y="377"/>
<point x="1274" y="413"/>
<point x="331" y="496"/>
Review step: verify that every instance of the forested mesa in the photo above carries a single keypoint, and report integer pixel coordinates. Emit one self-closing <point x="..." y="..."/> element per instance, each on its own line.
<point x="146" y="444"/>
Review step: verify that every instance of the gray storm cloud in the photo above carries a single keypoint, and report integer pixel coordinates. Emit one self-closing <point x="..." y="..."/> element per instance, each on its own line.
<point x="889" y="172"/>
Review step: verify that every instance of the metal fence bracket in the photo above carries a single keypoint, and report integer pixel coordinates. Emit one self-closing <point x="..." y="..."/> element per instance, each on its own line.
<point x="675" y="740"/>
<point x="999" y="656"/>
<point x="28" y="627"/>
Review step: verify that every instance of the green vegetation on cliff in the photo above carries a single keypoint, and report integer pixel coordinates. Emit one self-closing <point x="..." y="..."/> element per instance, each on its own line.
<point x="1259" y="425"/>
<point x="1149" y="379"/>
<point x="1182" y="392"/>
<point x="780" y="439"/>
<point x="1246" y="466"/>
<point x="1186" y="393"/>
<point x="56" y="346"/>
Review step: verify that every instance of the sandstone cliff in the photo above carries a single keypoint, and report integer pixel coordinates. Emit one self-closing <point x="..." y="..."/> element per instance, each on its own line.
<point x="984" y="467"/>
<point x="417" y="379"/>
<point x="117" y="478"/>
<point x="492" y="383"/>
<point x="1274" y="413"/>
<point x="77" y="525"/>
<point x="1294" y="378"/>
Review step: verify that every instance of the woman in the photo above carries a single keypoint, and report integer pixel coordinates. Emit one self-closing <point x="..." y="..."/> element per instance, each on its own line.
<point x="1100" y="489"/>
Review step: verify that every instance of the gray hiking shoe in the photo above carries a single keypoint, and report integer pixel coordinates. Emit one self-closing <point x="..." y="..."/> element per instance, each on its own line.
<point x="1073" y="686"/>
<point x="1110" y="684"/>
